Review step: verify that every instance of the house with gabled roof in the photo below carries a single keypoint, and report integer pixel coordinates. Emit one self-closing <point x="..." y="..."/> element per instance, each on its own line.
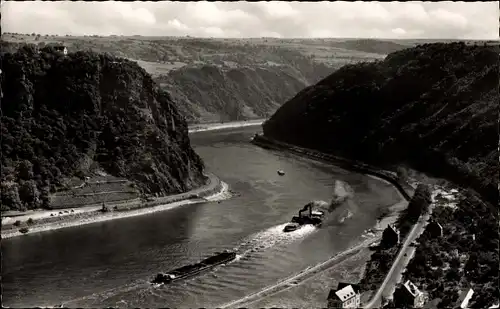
<point x="346" y="295"/>
<point x="390" y="237"/>
<point x="464" y="298"/>
<point x="435" y="229"/>
<point x="408" y="295"/>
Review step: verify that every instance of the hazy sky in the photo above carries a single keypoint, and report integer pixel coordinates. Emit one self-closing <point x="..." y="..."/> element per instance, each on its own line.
<point x="455" y="20"/>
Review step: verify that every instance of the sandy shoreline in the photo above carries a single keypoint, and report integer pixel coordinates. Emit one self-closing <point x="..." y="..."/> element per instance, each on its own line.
<point x="220" y="126"/>
<point x="95" y="216"/>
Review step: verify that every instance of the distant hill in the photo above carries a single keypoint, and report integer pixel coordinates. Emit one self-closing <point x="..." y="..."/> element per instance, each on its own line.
<point x="259" y="74"/>
<point x="371" y="46"/>
<point x="434" y="106"/>
<point x="82" y="114"/>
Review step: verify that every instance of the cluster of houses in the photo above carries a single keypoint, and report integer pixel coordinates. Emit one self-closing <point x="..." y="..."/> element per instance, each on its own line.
<point x="57" y="46"/>
<point x="406" y="295"/>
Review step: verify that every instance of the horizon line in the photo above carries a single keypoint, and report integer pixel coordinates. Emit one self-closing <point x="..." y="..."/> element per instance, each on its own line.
<point x="243" y="38"/>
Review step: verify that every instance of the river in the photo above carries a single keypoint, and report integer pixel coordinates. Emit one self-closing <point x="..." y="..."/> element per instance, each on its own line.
<point x="110" y="263"/>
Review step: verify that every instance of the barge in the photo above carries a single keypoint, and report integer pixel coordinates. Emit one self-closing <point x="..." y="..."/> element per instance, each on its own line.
<point x="194" y="269"/>
<point x="314" y="217"/>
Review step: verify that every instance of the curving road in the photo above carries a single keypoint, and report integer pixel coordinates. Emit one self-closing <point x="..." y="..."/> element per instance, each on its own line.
<point x="394" y="275"/>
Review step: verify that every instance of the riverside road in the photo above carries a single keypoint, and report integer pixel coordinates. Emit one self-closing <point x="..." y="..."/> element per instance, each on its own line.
<point x="109" y="264"/>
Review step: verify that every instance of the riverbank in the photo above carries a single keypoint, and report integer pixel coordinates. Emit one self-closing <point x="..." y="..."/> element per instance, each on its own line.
<point x="404" y="188"/>
<point x="47" y="220"/>
<point x="302" y="276"/>
<point x="355" y="257"/>
<point x="221" y="126"/>
<point x="33" y="220"/>
<point x="310" y="287"/>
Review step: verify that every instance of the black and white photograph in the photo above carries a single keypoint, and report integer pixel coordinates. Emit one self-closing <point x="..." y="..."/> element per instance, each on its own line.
<point x="264" y="154"/>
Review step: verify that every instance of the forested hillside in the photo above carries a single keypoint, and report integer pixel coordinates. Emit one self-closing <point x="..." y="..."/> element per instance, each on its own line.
<point x="434" y="107"/>
<point x="74" y="115"/>
<point x="216" y="80"/>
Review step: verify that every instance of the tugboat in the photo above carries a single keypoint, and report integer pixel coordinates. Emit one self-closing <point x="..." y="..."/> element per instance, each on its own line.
<point x="291" y="227"/>
<point x="194" y="269"/>
<point x="314" y="217"/>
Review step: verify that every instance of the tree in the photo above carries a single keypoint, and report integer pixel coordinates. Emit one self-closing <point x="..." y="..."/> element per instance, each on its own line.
<point x="436" y="260"/>
<point x="453" y="274"/>
<point x="44" y="197"/>
<point x="29" y="194"/>
<point x="455" y="263"/>
<point x="10" y="196"/>
<point x="402" y="174"/>
<point x="471" y="264"/>
<point x="25" y="170"/>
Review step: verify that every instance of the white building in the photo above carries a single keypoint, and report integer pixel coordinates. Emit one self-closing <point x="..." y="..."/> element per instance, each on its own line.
<point x="345" y="296"/>
<point x="408" y="295"/>
<point x="464" y="298"/>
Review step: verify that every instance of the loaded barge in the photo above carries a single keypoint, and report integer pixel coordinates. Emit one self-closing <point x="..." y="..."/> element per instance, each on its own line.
<point x="314" y="217"/>
<point x="194" y="269"/>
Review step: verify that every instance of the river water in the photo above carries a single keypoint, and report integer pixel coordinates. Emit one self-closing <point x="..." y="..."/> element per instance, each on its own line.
<point x="110" y="263"/>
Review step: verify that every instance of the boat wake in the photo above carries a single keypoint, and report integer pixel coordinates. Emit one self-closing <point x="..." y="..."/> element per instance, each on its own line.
<point x="269" y="238"/>
<point x="99" y="297"/>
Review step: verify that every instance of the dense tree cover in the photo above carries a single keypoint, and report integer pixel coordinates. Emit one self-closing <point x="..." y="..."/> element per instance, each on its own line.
<point x="377" y="267"/>
<point x="434" y="107"/>
<point x="418" y="205"/>
<point x="257" y="77"/>
<point x="69" y="115"/>
<point x="443" y="266"/>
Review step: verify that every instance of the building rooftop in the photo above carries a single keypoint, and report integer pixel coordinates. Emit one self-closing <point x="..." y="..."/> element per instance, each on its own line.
<point x="393" y="228"/>
<point x="412" y="288"/>
<point x="344" y="291"/>
<point x="433" y="222"/>
<point x="464" y="298"/>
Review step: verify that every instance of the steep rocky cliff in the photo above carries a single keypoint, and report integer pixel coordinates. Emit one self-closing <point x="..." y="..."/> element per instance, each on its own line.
<point x="211" y="93"/>
<point x="72" y="115"/>
<point x="434" y="107"/>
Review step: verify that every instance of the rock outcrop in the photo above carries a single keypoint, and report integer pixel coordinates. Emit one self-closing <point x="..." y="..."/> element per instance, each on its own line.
<point x="71" y="115"/>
